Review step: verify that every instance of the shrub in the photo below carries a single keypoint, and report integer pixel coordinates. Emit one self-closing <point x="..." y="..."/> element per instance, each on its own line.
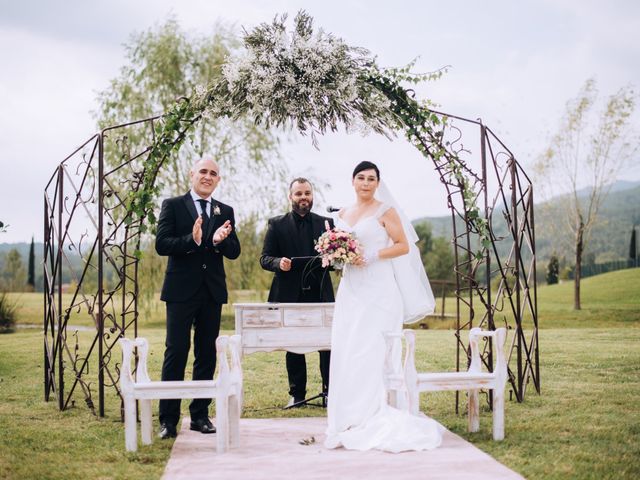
<point x="7" y="314"/>
<point x="553" y="270"/>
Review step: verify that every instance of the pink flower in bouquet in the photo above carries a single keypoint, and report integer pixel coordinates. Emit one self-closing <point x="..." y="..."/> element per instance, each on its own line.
<point x="337" y="247"/>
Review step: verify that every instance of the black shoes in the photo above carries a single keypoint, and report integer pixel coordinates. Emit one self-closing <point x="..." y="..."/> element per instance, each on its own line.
<point x="295" y="402"/>
<point x="203" y="425"/>
<point x="167" y="431"/>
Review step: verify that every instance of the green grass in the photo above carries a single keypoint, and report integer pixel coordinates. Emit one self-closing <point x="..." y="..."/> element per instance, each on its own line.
<point x="608" y="300"/>
<point x="585" y="424"/>
<point x="30" y="312"/>
<point x="611" y="299"/>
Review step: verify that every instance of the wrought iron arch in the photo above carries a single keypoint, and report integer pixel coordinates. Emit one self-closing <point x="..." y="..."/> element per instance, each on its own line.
<point x="92" y="239"/>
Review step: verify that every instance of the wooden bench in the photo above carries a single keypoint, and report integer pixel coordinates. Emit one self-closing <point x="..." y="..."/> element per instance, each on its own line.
<point x="226" y="390"/>
<point x="408" y="383"/>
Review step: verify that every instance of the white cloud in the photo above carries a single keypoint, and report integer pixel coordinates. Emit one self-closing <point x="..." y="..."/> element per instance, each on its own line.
<point x="515" y="64"/>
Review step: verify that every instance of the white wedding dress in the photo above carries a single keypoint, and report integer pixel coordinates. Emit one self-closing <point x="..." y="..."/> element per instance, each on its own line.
<point x="369" y="303"/>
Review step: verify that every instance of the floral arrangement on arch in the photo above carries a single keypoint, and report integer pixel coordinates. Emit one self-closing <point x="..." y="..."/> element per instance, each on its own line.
<point x="312" y="81"/>
<point x="306" y="78"/>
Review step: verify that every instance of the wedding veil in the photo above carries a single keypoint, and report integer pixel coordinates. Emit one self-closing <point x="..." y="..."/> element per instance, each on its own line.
<point x="417" y="297"/>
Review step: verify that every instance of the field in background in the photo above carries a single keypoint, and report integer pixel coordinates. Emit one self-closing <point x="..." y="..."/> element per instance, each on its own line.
<point x="608" y="300"/>
<point x="585" y="424"/>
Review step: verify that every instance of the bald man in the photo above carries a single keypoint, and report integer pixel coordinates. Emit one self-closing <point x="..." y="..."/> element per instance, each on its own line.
<point x="195" y="232"/>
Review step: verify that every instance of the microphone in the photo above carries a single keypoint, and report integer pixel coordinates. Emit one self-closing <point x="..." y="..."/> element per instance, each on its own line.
<point x="331" y="209"/>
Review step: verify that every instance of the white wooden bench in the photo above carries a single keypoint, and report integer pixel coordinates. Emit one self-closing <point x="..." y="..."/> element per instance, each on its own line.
<point x="410" y="383"/>
<point x="226" y="390"/>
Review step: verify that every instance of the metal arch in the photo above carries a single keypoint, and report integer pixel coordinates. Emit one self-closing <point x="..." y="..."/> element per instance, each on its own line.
<point x="86" y="212"/>
<point x="505" y="192"/>
<point x="96" y="178"/>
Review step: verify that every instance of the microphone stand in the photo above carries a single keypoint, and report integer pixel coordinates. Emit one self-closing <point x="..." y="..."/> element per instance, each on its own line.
<point x="307" y="401"/>
<point x="322" y="395"/>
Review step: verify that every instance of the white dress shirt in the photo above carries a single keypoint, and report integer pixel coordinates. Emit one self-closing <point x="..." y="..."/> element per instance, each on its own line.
<point x="196" y="201"/>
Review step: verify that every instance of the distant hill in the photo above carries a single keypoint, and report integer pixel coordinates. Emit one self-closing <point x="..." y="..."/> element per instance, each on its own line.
<point x="609" y="239"/>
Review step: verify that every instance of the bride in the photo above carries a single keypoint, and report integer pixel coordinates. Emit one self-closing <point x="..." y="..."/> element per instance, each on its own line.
<point x="376" y="294"/>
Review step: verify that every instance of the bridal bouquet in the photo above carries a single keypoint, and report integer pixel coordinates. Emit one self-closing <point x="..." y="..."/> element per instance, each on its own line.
<point x="337" y="247"/>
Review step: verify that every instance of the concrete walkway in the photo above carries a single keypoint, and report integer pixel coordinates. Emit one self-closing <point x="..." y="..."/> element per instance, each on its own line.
<point x="271" y="449"/>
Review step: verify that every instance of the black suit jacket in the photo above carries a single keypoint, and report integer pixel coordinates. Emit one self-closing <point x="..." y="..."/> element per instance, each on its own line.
<point x="191" y="265"/>
<point x="282" y="240"/>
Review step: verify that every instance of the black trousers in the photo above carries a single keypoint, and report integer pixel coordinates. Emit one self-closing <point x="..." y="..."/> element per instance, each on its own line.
<point x="203" y="315"/>
<point x="297" y="372"/>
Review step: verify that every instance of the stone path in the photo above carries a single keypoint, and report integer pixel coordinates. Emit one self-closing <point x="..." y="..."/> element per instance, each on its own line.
<point x="271" y="449"/>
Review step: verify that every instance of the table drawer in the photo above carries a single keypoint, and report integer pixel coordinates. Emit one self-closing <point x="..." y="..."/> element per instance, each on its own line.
<point x="303" y="317"/>
<point x="261" y="318"/>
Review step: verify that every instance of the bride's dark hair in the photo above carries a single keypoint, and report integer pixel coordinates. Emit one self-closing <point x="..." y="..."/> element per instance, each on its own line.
<point x="365" y="166"/>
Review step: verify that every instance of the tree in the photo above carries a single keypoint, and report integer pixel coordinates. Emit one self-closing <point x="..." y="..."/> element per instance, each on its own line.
<point x="245" y="273"/>
<point x="553" y="270"/>
<point x="164" y="65"/>
<point x="585" y="157"/>
<point x="633" y="248"/>
<point x="31" y="280"/>
<point x="13" y="273"/>
<point x="425" y="236"/>
<point x="436" y="253"/>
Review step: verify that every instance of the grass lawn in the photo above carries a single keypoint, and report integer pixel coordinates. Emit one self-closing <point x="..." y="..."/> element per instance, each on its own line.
<point x="586" y="423"/>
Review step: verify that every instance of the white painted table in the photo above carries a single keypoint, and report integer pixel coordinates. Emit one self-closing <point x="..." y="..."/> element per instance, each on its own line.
<point x="294" y="327"/>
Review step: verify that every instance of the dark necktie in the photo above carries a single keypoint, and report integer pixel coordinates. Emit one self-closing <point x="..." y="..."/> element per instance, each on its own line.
<point x="204" y="207"/>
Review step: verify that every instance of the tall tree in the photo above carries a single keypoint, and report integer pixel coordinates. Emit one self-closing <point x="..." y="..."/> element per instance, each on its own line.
<point x="165" y="64"/>
<point x="13" y="273"/>
<point x="245" y="272"/>
<point x="436" y="252"/>
<point x="31" y="278"/>
<point x="585" y="157"/>
<point x="633" y="247"/>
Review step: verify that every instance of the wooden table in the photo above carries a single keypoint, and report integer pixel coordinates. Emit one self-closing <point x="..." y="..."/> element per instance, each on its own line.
<point x="294" y="327"/>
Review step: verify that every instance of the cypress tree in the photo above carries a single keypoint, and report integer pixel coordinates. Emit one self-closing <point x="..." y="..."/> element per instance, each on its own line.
<point x="32" y="266"/>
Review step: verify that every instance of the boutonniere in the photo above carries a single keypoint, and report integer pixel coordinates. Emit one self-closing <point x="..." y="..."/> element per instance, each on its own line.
<point x="216" y="210"/>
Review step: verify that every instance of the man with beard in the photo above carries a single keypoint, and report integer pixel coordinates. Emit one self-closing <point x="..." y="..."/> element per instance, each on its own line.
<point x="301" y="280"/>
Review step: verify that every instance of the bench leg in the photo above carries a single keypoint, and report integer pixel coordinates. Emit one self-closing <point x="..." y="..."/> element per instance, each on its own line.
<point x="222" y="423"/>
<point x="234" y="421"/>
<point x="146" y="426"/>
<point x="474" y="411"/>
<point x="414" y="401"/>
<point x="130" y="434"/>
<point x="498" y="414"/>
<point x="392" y="398"/>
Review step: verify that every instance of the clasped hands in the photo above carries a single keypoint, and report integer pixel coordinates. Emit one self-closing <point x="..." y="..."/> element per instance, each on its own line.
<point x="222" y="232"/>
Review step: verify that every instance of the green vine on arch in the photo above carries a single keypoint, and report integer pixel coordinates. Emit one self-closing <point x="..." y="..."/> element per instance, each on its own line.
<point x="312" y="81"/>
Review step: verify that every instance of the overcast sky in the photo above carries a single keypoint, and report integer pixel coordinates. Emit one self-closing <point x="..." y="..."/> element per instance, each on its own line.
<point x="514" y="64"/>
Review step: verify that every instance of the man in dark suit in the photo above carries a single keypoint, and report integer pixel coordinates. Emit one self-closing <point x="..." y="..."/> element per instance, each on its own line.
<point x="301" y="280"/>
<point x="195" y="232"/>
